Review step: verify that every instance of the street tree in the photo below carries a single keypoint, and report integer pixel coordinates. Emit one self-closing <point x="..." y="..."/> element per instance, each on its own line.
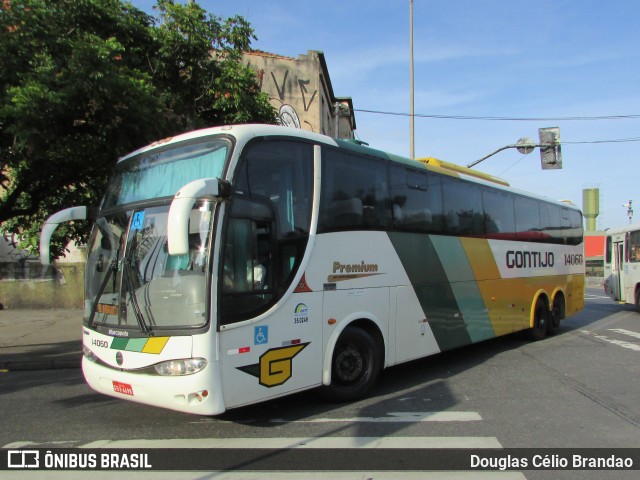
<point x="86" y="81"/>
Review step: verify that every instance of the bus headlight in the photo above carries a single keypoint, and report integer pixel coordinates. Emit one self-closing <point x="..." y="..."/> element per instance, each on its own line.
<point x="186" y="366"/>
<point x="88" y="354"/>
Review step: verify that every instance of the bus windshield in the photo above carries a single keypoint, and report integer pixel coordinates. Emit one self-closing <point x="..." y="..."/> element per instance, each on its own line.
<point x="132" y="282"/>
<point x="161" y="173"/>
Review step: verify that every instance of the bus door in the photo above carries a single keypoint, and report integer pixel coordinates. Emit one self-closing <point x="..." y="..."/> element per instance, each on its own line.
<point x="617" y="265"/>
<point x="270" y="327"/>
<point x="270" y="342"/>
<point x="279" y="354"/>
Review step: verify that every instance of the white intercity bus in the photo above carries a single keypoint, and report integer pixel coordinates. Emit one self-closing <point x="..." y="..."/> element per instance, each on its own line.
<point x="237" y="264"/>
<point x="622" y="265"/>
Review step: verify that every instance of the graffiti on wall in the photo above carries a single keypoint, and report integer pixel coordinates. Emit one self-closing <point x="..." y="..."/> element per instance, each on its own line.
<point x="288" y="117"/>
<point x="287" y="114"/>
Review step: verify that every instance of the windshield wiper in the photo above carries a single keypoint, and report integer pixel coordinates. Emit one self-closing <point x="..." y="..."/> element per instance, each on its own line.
<point x="134" y="299"/>
<point x="112" y="268"/>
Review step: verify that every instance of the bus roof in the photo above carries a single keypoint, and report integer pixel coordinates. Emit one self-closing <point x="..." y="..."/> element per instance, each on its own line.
<point x="628" y="228"/>
<point x="245" y="132"/>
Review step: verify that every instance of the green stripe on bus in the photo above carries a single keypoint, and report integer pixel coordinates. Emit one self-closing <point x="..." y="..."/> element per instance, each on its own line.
<point x="119" y="343"/>
<point x="465" y="287"/>
<point x="428" y="277"/>
<point x="136" y="344"/>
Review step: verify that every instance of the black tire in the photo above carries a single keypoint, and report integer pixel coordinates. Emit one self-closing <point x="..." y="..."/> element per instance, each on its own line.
<point x="557" y="314"/>
<point x="355" y="366"/>
<point x="638" y="299"/>
<point x="540" y="321"/>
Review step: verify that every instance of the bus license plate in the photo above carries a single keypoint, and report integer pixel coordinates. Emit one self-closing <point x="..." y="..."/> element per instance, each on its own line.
<point x="124" y="388"/>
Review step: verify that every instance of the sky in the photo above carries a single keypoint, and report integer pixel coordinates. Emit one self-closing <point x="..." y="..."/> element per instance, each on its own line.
<point x="533" y="64"/>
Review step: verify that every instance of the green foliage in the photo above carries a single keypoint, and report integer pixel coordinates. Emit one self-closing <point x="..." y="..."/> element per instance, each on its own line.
<point x="198" y="66"/>
<point x="86" y="81"/>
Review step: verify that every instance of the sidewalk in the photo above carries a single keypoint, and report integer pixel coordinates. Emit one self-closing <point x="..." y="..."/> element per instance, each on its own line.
<point x="40" y="339"/>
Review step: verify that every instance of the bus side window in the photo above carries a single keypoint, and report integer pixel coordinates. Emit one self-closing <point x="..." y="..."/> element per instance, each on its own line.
<point x="627" y="246"/>
<point x="527" y="219"/>
<point x="247" y="276"/>
<point x="268" y="227"/>
<point x="355" y="193"/>
<point x="499" y="218"/>
<point x="572" y="226"/>
<point x="246" y="264"/>
<point x="417" y="200"/>
<point x="551" y="221"/>
<point x="633" y="243"/>
<point x="463" y="210"/>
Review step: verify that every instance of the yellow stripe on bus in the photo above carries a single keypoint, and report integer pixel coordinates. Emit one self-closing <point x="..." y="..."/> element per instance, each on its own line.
<point x="155" y="345"/>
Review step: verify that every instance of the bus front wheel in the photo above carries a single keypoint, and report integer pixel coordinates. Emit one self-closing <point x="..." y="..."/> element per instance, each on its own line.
<point x="355" y="366"/>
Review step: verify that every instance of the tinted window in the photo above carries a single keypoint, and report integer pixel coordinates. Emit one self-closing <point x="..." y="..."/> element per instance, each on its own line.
<point x="633" y="245"/>
<point x="499" y="218"/>
<point x="577" y="229"/>
<point x="416" y="198"/>
<point x="527" y="218"/>
<point x="572" y="226"/>
<point x="462" y="207"/>
<point x="551" y="223"/>
<point x="268" y="227"/>
<point x="355" y="193"/>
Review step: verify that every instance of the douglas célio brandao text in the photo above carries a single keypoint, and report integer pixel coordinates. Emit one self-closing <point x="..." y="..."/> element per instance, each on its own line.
<point x="551" y="461"/>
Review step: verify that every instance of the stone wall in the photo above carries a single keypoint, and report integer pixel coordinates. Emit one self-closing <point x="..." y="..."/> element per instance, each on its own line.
<point x="25" y="283"/>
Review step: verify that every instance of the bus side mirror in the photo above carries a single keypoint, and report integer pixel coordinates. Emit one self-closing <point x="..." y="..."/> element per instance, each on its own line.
<point x="182" y="204"/>
<point x="66" y="215"/>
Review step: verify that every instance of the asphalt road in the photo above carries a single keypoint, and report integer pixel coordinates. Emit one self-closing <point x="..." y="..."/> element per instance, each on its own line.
<point x="577" y="389"/>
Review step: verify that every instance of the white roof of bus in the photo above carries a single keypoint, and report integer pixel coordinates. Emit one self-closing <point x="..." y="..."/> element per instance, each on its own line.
<point x="628" y="228"/>
<point x="243" y="133"/>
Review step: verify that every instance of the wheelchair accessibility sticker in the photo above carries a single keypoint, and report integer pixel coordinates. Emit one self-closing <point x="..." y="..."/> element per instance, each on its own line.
<point x="261" y="335"/>
<point x="137" y="223"/>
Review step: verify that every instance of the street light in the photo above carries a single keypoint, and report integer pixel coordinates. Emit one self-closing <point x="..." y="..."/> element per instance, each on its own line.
<point x="550" y="152"/>
<point x="629" y="206"/>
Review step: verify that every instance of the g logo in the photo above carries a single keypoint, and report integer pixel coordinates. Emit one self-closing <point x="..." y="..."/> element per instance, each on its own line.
<point x="276" y="365"/>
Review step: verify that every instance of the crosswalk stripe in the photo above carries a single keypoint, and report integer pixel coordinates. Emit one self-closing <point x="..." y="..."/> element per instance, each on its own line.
<point x="628" y="333"/>
<point x="303" y="442"/>
<point x="396" y="417"/>
<point x="620" y="343"/>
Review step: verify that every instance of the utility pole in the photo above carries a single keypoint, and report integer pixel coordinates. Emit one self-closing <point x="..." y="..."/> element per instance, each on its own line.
<point x="412" y="151"/>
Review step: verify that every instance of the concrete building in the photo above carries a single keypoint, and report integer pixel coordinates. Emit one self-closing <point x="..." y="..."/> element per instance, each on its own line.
<point x="300" y="89"/>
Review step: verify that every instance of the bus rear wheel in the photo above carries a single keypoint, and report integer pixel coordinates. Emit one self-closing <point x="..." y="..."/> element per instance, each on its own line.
<point x="638" y="299"/>
<point x="540" y="321"/>
<point x="557" y="314"/>
<point x="355" y="367"/>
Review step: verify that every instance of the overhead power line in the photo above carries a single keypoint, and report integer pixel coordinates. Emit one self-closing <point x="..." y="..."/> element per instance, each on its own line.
<point x="524" y="119"/>
<point x="617" y="140"/>
<point x="505" y="119"/>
